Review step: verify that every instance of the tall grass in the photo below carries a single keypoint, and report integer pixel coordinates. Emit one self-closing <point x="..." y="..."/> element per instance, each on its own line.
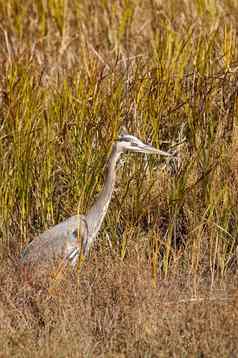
<point x="72" y="73"/>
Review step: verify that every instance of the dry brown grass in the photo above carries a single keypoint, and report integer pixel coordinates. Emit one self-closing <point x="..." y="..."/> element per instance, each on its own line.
<point x="112" y="310"/>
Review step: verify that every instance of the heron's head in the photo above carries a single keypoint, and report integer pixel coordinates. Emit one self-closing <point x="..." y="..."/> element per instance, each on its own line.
<point x="128" y="142"/>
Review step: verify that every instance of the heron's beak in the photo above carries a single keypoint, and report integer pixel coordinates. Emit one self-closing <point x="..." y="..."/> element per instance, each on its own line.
<point x="148" y="149"/>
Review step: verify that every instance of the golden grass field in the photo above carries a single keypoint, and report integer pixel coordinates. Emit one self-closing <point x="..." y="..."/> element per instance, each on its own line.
<point x="161" y="280"/>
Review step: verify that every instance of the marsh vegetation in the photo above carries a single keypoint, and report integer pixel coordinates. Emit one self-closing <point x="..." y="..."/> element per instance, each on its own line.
<point x="162" y="278"/>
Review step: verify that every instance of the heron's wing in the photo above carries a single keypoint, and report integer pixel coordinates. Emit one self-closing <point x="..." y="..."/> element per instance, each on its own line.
<point x="57" y="242"/>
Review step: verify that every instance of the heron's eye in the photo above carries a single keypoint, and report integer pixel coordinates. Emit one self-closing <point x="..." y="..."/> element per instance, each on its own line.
<point x="134" y="145"/>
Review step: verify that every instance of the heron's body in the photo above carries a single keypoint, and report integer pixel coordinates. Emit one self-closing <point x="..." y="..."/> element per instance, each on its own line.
<point x="66" y="239"/>
<point x="57" y="242"/>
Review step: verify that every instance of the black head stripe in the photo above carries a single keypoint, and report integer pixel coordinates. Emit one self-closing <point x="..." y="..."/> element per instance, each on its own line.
<point x="123" y="139"/>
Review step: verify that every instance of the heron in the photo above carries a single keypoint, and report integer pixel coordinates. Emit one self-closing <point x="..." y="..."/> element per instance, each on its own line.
<point x="62" y="240"/>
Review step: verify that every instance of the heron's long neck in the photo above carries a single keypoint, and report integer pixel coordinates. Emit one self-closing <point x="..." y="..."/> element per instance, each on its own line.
<point x="98" y="211"/>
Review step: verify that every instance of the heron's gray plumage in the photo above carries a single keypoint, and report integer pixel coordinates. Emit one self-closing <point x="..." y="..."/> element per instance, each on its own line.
<point x="56" y="242"/>
<point x="66" y="239"/>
